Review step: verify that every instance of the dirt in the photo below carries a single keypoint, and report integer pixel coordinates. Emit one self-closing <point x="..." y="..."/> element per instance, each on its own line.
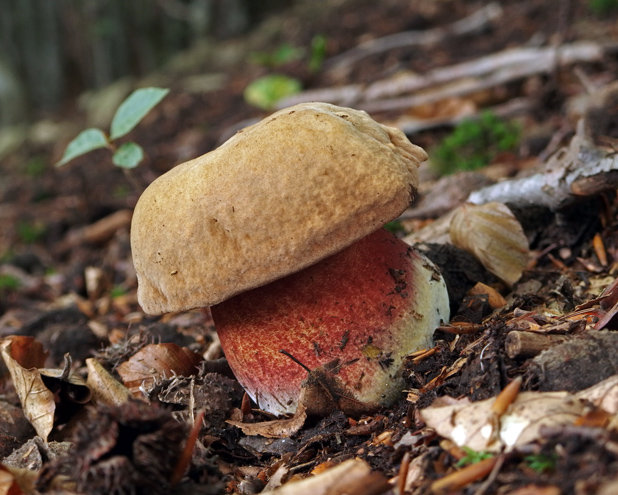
<point x="45" y="210"/>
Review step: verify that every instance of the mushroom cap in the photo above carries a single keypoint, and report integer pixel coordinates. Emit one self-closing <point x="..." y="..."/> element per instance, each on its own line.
<point x="277" y="197"/>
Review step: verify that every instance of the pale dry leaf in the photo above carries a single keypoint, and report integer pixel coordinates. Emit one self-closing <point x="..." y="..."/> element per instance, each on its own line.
<point x="351" y="476"/>
<point x="278" y="428"/>
<point x="493" y="235"/>
<point x="15" y="481"/>
<point x="156" y="362"/>
<point x="604" y="394"/>
<point x="475" y="426"/>
<point x="105" y="388"/>
<point x="36" y="399"/>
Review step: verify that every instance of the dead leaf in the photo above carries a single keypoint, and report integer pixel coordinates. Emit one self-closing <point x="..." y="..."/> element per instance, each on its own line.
<point x="474" y="425"/>
<point x="28" y="351"/>
<point x="351" y="476"/>
<point x="105" y="388"/>
<point x="278" y="428"/>
<point x="492" y="234"/>
<point x="36" y="399"/>
<point x="15" y="481"/>
<point x="155" y="362"/>
<point x="604" y="394"/>
<point x="495" y="299"/>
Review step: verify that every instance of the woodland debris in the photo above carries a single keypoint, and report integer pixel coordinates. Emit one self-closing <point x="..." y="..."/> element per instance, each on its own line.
<point x="105" y="388"/>
<point x="525" y="345"/>
<point x="98" y="232"/>
<point x="457" y="80"/>
<point x="476" y="425"/>
<point x="476" y="21"/>
<point x="575" y="172"/>
<point x="153" y="363"/>
<point x="278" y="428"/>
<point x="578" y="363"/>
<point x="494" y="236"/>
<point x="351" y="476"/>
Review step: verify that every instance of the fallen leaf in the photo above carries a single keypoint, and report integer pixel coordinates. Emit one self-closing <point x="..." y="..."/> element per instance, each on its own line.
<point x="105" y="388"/>
<point x="36" y="399"/>
<point x="155" y="362"/>
<point x="493" y="235"/>
<point x="604" y="394"/>
<point x="351" y="476"/>
<point x="473" y="425"/>
<point x="278" y="428"/>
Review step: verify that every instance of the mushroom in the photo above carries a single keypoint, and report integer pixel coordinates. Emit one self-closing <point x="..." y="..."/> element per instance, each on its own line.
<point x="279" y="231"/>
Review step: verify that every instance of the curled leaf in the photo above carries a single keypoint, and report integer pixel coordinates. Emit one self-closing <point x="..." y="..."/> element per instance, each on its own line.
<point x="105" y="388"/>
<point x="278" y="428"/>
<point x="36" y="399"/>
<point x="493" y="235"/>
<point x="155" y="362"/>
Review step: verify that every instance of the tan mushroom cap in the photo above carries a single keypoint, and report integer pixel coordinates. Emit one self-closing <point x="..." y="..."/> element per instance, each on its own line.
<point x="278" y="196"/>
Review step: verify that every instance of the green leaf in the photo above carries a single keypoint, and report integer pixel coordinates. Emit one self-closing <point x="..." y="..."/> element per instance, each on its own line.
<point x="132" y="110"/>
<point x="266" y="91"/>
<point x="128" y="155"/>
<point x="88" y="140"/>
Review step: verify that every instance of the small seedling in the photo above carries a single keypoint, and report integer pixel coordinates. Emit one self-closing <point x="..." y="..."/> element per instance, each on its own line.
<point x="318" y="52"/>
<point x="266" y="91"/>
<point x="472" y="457"/>
<point x="8" y="283"/>
<point x="30" y="232"/>
<point x="602" y="7"/>
<point x="281" y="56"/>
<point x="130" y="113"/>
<point x="541" y="463"/>
<point x="473" y="144"/>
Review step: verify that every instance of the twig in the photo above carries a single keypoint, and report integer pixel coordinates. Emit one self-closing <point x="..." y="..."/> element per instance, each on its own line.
<point x="455" y="80"/>
<point x="474" y="22"/>
<point x="576" y="171"/>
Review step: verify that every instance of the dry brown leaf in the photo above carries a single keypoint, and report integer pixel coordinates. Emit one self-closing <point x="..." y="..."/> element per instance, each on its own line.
<point x="15" y="481"/>
<point x="155" y="362"/>
<point x="495" y="299"/>
<point x="352" y="476"/>
<point x="36" y="399"/>
<point x="494" y="236"/>
<point x="604" y="394"/>
<point x="28" y="351"/>
<point x="105" y="388"/>
<point x="474" y="425"/>
<point x="278" y="428"/>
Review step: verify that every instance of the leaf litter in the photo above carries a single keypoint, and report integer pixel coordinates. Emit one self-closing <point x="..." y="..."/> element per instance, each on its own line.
<point x="560" y="305"/>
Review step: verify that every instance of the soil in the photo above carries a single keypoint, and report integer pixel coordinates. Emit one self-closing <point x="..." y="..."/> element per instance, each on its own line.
<point x="67" y="281"/>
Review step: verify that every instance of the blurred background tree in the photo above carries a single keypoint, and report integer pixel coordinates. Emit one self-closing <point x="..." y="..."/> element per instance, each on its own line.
<point x="50" y="50"/>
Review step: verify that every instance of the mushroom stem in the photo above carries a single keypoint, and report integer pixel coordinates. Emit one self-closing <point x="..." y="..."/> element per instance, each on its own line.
<point x="351" y="319"/>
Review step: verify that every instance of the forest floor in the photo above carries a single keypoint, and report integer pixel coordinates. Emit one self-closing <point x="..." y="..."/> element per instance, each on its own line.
<point x="68" y="287"/>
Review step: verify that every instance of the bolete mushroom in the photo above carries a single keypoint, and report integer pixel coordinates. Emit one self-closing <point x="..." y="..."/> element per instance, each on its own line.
<point x="279" y="231"/>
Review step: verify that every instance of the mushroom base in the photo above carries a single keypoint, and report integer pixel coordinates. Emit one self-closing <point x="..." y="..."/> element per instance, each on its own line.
<point x="351" y="319"/>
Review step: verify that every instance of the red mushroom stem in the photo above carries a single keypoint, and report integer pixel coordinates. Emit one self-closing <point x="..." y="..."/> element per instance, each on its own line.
<point x="353" y="317"/>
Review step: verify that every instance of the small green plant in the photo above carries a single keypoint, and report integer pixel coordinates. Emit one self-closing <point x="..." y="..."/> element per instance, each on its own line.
<point x="35" y="166"/>
<point x="473" y="457"/>
<point x="473" y="144"/>
<point x="30" y="232"/>
<point x="117" y="291"/>
<point x="281" y="56"/>
<point x="602" y="7"/>
<point x="395" y="227"/>
<point x="542" y="463"/>
<point x="318" y="52"/>
<point x="266" y="91"/>
<point x="8" y="283"/>
<point x="130" y="113"/>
